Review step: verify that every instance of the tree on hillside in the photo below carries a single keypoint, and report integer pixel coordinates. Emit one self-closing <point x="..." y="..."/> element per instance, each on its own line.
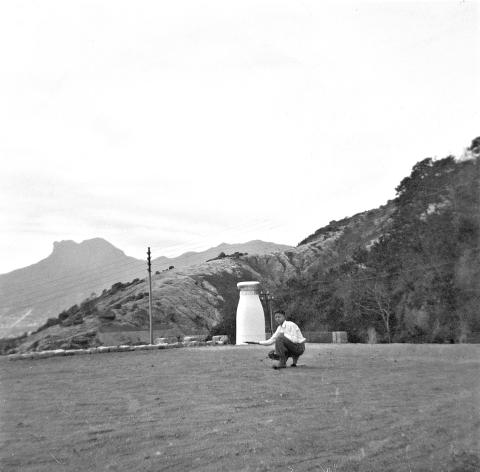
<point x="424" y="244"/>
<point x="474" y="147"/>
<point x="376" y="303"/>
<point x="421" y="279"/>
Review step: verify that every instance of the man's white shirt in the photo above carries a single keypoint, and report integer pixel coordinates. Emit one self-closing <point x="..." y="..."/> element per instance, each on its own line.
<point x="290" y="330"/>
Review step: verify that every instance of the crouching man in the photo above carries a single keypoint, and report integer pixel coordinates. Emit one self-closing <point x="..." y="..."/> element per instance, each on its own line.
<point x="288" y="339"/>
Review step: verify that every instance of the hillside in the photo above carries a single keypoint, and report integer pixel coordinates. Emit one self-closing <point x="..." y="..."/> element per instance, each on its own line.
<point x="76" y="271"/>
<point x="200" y="299"/>
<point x="191" y="258"/>
<point x="71" y="273"/>
<point x="408" y="271"/>
<point x="418" y="282"/>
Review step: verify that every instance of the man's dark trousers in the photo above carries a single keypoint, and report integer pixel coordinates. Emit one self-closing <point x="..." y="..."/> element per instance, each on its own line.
<point x="286" y="348"/>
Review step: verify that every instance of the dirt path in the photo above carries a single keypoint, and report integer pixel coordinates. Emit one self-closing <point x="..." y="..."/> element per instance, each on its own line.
<point x="346" y="408"/>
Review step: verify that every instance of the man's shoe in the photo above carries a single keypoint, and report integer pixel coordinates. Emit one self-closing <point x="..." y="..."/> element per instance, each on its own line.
<point x="293" y="365"/>
<point x="273" y="355"/>
<point x="276" y="367"/>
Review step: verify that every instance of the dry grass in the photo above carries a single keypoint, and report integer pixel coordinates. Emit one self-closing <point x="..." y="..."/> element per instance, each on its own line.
<point x="346" y="408"/>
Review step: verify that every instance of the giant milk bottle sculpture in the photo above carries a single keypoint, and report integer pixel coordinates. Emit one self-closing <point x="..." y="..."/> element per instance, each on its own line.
<point x="250" y="316"/>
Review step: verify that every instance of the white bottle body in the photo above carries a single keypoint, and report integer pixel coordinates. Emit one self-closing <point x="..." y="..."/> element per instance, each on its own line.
<point x="250" y="317"/>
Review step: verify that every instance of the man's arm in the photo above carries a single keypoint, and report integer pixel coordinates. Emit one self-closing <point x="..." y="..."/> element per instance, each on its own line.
<point x="272" y="339"/>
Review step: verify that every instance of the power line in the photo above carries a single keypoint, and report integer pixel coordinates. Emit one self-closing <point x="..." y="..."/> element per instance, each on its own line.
<point x="52" y="296"/>
<point x="139" y="262"/>
<point x="84" y="272"/>
<point x="364" y="279"/>
<point x="443" y="190"/>
<point x="187" y="246"/>
<point x="100" y="276"/>
<point x="76" y="280"/>
<point x="55" y="293"/>
<point x="77" y="283"/>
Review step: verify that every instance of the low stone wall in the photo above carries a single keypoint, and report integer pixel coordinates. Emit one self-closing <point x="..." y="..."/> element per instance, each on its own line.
<point x="326" y="337"/>
<point x="96" y="350"/>
<point x="167" y="340"/>
<point x="110" y="338"/>
<point x="470" y="338"/>
<point x="222" y="339"/>
<point x="117" y="337"/>
<point x="188" y="341"/>
<point x="318" y="336"/>
<point x="339" y="337"/>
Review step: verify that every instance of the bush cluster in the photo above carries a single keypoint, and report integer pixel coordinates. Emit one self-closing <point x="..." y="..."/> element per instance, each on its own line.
<point x="418" y="282"/>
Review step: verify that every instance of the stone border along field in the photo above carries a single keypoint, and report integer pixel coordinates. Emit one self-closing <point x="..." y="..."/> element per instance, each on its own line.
<point x="103" y="349"/>
<point x="346" y="407"/>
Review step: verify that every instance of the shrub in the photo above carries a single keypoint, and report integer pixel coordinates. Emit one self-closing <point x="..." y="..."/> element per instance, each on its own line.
<point x="50" y="322"/>
<point x="117" y="286"/>
<point x="107" y="315"/>
<point x="77" y="319"/>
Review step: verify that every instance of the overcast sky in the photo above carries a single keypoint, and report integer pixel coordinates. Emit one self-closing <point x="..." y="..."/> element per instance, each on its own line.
<point x="183" y="124"/>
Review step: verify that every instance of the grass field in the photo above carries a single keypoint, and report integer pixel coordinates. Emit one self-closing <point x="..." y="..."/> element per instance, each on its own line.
<point x="345" y="408"/>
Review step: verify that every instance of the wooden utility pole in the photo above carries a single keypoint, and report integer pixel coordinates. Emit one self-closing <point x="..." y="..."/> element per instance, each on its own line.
<point x="269" y="305"/>
<point x="265" y="296"/>
<point x="150" y="294"/>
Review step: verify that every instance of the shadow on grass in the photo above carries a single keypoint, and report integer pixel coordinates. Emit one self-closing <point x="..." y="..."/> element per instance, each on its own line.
<point x="300" y="368"/>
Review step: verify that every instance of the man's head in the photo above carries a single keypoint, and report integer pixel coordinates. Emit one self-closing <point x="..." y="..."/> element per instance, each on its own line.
<point x="280" y="316"/>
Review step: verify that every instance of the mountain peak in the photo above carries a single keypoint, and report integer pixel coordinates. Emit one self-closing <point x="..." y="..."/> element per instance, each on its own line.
<point x="95" y="248"/>
<point x="69" y="244"/>
<point x="63" y="244"/>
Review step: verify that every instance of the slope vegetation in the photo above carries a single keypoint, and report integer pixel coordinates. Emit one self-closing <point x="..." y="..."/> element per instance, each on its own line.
<point x="408" y="271"/>
<point x="77" y="271"/>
